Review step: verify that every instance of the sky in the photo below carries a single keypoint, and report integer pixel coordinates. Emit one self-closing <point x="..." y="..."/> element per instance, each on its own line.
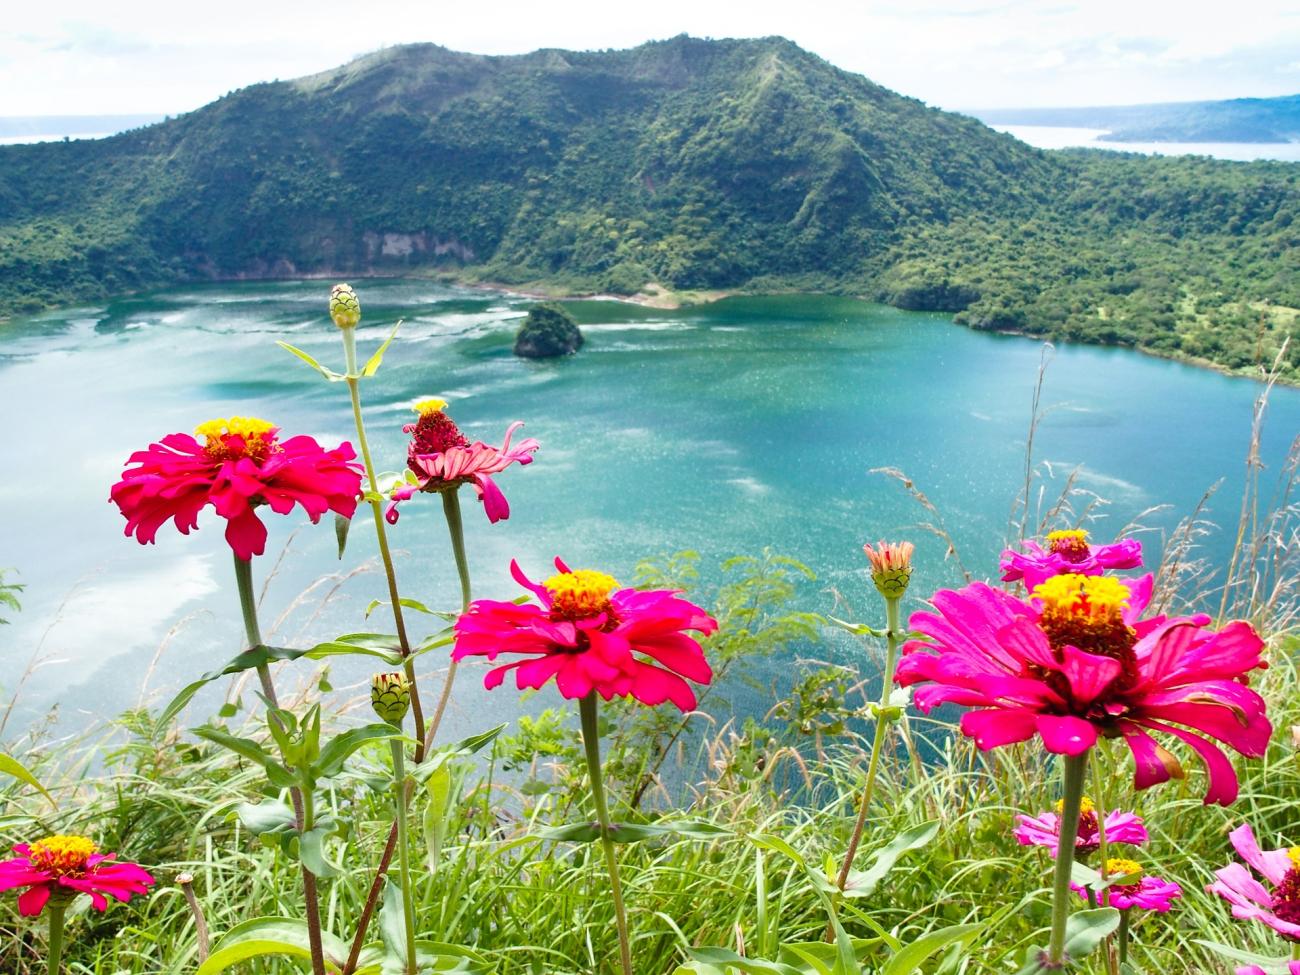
<point x="144" y="56"/>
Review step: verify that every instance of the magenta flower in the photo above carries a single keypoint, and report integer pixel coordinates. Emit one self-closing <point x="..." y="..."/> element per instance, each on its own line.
<point x="1076" y="661"/>
<point x="442" y="459"/>
<point x="240" y="465"/>
<point x="1043" y="829"/>
<point x="591" y="635"/>
<point x="1292" y="967"/>
<point x="69" y="865"/>
<point x="1068" y="551"/>
<point x="1279" y="908"/>
<point x="1147" y="893"/>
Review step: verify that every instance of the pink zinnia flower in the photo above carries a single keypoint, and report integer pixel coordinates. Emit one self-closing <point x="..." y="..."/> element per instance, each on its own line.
<point x="241" y="464"/>
<point x="1147" y="893"/>
<point x="1292" y="967"/>
<point x="590" y="635"/>
<point x="1279" y="908"/>
<point x="1068" y="551"/>
<point x="442" y="459"/>
<point x="69" y="866"/>
<point x="1044" y="829"/>
<point x="1076" y="662"/>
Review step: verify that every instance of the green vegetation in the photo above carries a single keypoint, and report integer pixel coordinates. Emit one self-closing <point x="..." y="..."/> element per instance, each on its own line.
<point x="687" y="164"/>
<point x="548" y="330"/>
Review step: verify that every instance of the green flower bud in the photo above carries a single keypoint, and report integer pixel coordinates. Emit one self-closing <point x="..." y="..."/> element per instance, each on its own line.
<point x="345" y="309"/>
<point x="390" y="696"/>
<point x="891" y="567"/>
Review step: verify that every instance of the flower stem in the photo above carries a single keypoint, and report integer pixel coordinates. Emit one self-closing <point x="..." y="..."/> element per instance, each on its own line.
<point x="404" y="851"/>
<point x="1123" y="937"/>
<point x="591" y="743"/>
<point x="58" y="907"/>
<point x="301" y="802"/>
<point x="1099" y="810"/>
<point x="377" y="509"/>
<point x="1075" y="768"/>
<point x="455" y="527"/>
<point x="883" y="722"/>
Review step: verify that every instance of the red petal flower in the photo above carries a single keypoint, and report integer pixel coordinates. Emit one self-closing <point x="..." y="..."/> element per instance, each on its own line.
<point x="240" y="465"/>
<point x="589" y="635"/>
<point x="1076" y="662"/>
<point x="69" y="865"/>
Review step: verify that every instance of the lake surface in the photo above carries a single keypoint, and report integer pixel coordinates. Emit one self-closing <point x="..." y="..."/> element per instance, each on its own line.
<point x="1069" y="137"/>
<point x="748" y="423"/>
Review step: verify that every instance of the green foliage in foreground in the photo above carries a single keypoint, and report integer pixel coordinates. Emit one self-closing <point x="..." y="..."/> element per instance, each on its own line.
<point x="770" y="794"/>
<point x="687" y="164"/>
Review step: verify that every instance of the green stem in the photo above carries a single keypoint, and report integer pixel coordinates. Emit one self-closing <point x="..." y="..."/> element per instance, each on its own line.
<point x="1123" y="937"/>
<point x="404" y="851"/>
<point x="1295" y="952"/>
<point x="381" y="533"/>
<point x="1076" y="767"/>
<point x="301" y="801"/>
<point x="455" y="527"/>
<point x="591" y="743"/>
<point x="58" y="907"/>
<point x="1099" y="811"/>
<point x="892" y="632"/>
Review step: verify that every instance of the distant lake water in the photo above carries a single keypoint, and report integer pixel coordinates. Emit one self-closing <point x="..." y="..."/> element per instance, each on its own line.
<point x="747" y="423"/>
<point x="1067" y="137"/>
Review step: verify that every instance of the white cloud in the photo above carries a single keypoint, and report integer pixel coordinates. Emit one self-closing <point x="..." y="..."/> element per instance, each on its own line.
<point x="146" y="55"/>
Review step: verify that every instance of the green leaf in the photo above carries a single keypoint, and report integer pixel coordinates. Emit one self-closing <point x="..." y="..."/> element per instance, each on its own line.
<point x="311" y="850"/>
<point x="270" y="936"/>
<point x="439" y="787"/>
<point x="329" y="374"/>
<point x="414" y="604"/>
<point x="251" y="750"/>
<point x="1085" y="930"/>
<point x="392" y="919"/>
<point x="908" y="959"/>
<point x="863" y="883"/>
<point x="385" y="646"/>
<point x="11" y="766"/>
<point x="857" y="629"/>
<point x="272" y="816"/>
<point x="253" y="657"/>
<point x="336" y="752"/>
<point x="767" y="841"/>
<point x="1270" y="964"/>
<point x="341" y="526"/>
<point x="432" y="643"/>
<point x="373" y="363"/>
<point x="720" y="961"/>
<point x="634" y="832"/>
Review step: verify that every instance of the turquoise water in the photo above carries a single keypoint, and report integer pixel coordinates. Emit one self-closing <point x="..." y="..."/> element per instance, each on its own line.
<point x="748" y="423"/>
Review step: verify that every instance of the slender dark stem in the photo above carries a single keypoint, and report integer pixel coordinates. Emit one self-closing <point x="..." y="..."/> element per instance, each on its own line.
<point x="58" y="907"/>
<point x="404" y="851"/>
<point x="1123" y="937"/>
<point x="385" y="555"/>
<point x="301" y="805"/>
<point x="1075" y="768"/>
<point x="591" y="744"/>
<point x="455" y="527"/>
<point x="372" y="900"/>
<point x="186" y="883"/>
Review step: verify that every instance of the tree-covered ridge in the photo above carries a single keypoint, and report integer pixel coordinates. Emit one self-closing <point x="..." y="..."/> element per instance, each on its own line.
<point x="692" y="164"/>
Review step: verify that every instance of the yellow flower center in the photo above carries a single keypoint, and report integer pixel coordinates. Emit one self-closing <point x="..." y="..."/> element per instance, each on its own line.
<point x="1087" y="612"/>
<point x="430" y="404"/>
<point x="580" y="594"/>
<point x="1071" y="544"/>
<point x="1294" y="854"/>
<point x="1085" y="806"/>
<point x="1092" y="597"/>
<point x="1129" y="870"/>
<point x="230" y="438"/>
<point x="61" y="855"/>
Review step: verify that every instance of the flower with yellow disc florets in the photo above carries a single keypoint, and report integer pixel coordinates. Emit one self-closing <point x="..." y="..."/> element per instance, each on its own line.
<point x="1078" y="661"/>
<point x="591" y="635"/>
<point x="441" y="458"/>
<point x="1130" y="886"/>
<point x="241" y="464"/>
<point x="64" y="866"/>
<point x="1068" y="550"/>
<point x="1279" y="907"/>
<point x="1044" y="829"/>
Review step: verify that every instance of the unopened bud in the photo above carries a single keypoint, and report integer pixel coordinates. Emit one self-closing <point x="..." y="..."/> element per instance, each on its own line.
<point x="345" y="309"/>
<point x="891" y="567"/>
<point x="390" y="696"/>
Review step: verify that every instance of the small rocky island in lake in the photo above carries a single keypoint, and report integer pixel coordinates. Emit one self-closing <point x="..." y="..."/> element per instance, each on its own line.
<point x="548" y="330"/>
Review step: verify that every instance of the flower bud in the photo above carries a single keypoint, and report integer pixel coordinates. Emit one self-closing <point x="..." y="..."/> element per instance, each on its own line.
<point x="390" y="696"/>
<point x="891" y="567"/>
<point x="345" y="309"/>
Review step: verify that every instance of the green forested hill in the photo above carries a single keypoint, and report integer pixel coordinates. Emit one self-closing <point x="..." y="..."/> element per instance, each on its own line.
<point x="688" y="163"/>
